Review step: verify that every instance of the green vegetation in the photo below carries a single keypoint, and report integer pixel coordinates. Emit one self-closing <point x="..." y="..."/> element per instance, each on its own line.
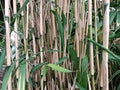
<point x="60" y="44"/>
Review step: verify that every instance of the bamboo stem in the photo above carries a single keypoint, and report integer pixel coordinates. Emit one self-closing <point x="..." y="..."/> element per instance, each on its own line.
<point x="105" y="44"/>
<point x="17" y="42"/>
<point x="96" y="39"/>
<point x="8" y="49"/>
<point x="91" y="44"/>
<point x="41" y="39"/>
<point x="26" y="43"/>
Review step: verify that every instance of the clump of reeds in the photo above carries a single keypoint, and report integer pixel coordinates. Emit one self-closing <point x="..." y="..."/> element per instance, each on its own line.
<point x="58" y="44"/>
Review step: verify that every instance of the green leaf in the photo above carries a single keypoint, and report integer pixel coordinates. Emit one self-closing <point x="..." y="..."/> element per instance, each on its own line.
<point x="2" y="58"/>
<point x="114" y="75"/>
<point x="44" y="71"/>
<point x="73" y="55"/>
<point x="8" y="73"/>
<point x="23" y="7"/>
<point x="62" y="60"/>
<point x="85" y="65"/>
<point x="7" y="76"/>
<point x="2" y="29"/>
<point x="58" y="68"/>
<point x="118" y="88"/>
<point x="82" y="74"/>
<point x="118" y="16"/>
<point x="20" y="10"/>
<point x="35" y="68"/>
<point x="117" y="58"/>
<point x="60" y="26"/>
<point x="22" y="77"/>
<point x="112" y="16"/>
<point x="117" y="28"/>
<point x="80" y="87"/>
<point x="31" y="81"/>
<point x="63" y="20"/>
<point x="100" y="24"/>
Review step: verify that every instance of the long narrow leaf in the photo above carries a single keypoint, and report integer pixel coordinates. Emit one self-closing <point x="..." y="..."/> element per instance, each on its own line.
<point x="20" y="10"/>
<point x="2" y="58"/>
<point x="112" y="16"/>
<point x="35" y="68"/>
<point x="62" y="60"/>
<point x="8" y="73"/>
<point x="44" y="72"/>
<point x="6" y="77"/>
<point x="22" y="76"/>
<point x="118" y="16"/>
<point x="117" y="58"/>
<point x="115" y="74"/>
<point x="60" y="26"/>
<point x="73" y="55"/>
<point x="58" y="68"/>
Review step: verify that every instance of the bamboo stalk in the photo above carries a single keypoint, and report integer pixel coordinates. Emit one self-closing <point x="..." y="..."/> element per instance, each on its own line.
<point x="8" y="49"/>
<point x="32" y="22"/>
<point x="105" y="44"/>
<point x="41" y="17"/>
<point x="77" y="38"/>
<point x="44" y="27"/>
<point x="60" y="4"/>
<point x="21" y="3"/>
<point x="53" y="32"/>
<point x="66" y="27"/>
<point x="33" y="37"/>
<point x="26" y="49"/>
<point x="82" y="29"/>
<point x="101" y="76"/>
<point x="91" y="45"/>
<point x="16" y="36"/>
<point x="25" y="36"/>
<point x="41" y="40"/>
<point x="89" y="82"/>
<point x="96" y="39"/>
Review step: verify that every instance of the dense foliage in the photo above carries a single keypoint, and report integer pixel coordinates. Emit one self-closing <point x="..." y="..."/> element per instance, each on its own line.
<point x="50" y="45"/>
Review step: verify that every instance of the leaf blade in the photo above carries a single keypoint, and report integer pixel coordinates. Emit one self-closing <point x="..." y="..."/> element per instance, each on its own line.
<point x="58" y="68"/>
